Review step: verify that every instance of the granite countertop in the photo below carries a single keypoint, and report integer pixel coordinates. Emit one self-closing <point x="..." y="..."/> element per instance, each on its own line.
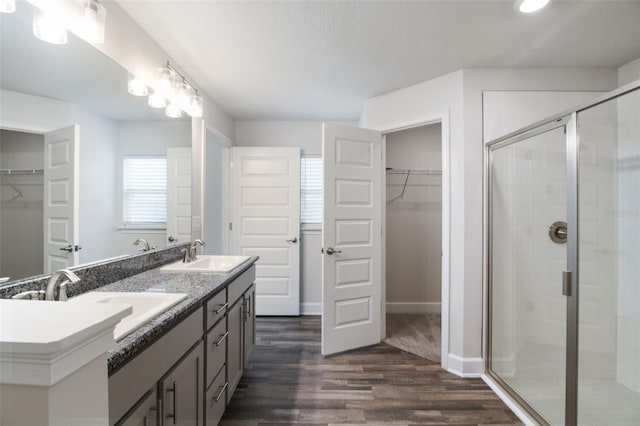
<point x="199" y="287"/>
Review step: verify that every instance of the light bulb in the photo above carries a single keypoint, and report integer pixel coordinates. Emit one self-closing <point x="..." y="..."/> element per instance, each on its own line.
<point x="7" y="6"/>
<point x="156" y="100"/>
<point x="528" y="6"/>
<point x="137" y="87"/>
<point x="49" y="28"/>
<point x="89" y="21"/>
<point x="182" y="94"/>
<point x="196" y="105"/>
<point x="173" y="111"/>
<point x="164" y="83"/>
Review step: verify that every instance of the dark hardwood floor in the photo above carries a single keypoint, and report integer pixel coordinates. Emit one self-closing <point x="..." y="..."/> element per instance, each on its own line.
<point x="290" y="382"/>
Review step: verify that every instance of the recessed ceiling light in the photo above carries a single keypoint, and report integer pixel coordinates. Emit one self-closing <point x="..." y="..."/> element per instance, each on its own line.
<point x="528" y="6"/>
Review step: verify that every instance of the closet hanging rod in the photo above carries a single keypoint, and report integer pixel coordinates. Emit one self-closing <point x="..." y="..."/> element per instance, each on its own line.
<point x="6" y="172"/>
<point x="393" y="171"/>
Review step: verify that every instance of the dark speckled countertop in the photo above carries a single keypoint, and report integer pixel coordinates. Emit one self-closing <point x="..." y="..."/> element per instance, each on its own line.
<point x="199" y="287"/>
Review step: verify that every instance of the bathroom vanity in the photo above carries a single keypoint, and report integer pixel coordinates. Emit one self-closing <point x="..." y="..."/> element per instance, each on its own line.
<point x="183" y="365"/>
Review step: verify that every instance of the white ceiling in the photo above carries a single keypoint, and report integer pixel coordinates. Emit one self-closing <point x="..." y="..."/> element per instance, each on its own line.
<point x="287" y="60"/>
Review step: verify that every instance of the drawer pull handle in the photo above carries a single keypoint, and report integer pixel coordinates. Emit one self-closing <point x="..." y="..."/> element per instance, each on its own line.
<point x="221" y="339"/>
<point x="173" y="391"/>
<point x="222" y="308"/>
<point x="223" y="388"/>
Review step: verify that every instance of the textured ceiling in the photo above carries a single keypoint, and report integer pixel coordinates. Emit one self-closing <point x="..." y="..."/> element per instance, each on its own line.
<point x="320" y="60"/>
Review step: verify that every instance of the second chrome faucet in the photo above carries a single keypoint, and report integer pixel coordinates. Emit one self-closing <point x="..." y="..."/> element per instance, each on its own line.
<point x="190" y="254"/>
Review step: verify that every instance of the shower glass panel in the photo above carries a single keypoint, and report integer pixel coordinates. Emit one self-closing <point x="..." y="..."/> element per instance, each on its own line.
<point x="609" y="263"/>
<point x="527" y="311"/>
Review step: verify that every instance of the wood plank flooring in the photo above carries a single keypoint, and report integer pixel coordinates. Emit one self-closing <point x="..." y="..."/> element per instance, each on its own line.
<point x="290" y="383"/>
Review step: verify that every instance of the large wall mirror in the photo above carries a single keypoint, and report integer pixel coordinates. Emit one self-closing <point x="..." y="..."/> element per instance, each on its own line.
<point x="68" y="104"/>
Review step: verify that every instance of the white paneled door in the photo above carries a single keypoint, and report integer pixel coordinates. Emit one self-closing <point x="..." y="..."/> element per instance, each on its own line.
<point x="351" y="238"/>
<point x="266" y="223"/>
<point x="61" y="199"/>
<point x="178" y="195"/>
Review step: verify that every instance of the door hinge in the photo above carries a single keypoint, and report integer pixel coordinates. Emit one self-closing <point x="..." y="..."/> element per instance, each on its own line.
<point x="566" y="283"/>
<point x="230" y="226"/>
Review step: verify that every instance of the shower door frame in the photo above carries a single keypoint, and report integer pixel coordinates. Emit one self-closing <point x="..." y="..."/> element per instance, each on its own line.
<point x="568" y="120"/>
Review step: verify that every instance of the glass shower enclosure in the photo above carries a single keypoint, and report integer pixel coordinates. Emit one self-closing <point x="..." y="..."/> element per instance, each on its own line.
<point x="563" y="314"/>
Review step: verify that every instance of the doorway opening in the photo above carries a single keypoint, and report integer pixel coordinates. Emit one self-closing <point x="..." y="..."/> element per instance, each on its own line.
<point x="413" y="240"/>
<point x="21" y="204"/>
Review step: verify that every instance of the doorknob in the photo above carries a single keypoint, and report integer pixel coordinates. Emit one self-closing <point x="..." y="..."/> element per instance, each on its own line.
<point x="172" y="239"/>
<point x="68" y="248"/>
<point x="293" y="240"/>
<point x="331" y="250"/>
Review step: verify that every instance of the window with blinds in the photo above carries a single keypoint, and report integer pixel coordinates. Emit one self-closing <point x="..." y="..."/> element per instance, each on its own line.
<point x="311" y="189"/>
<point x="145" y="191"/>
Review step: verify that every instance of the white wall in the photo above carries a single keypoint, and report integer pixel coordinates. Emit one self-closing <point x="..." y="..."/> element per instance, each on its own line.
<point x="414" y="222"/>
<point x="98" y="136"/>
<point x="21" y="224"/>
<point x="629" y="72"/>
<point x="459" y="95"/>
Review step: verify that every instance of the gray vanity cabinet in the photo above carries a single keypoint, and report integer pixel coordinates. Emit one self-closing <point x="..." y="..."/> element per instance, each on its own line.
<point x="193" y="369"/>
<point x="145" y="413"/>
<point x="181" y="391"/>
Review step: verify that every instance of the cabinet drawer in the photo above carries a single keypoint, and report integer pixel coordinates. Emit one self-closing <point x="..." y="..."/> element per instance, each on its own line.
<point x="216" y="308"/>
<point x="215" y="399"/>
<point x="241" y="284"/>
<point x="216" y="350"/>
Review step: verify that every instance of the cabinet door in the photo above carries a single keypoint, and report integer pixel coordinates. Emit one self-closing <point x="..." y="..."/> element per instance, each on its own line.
<point x="249" y="323"/>
<point x="182" y="391"/>
<point x="144" y="413"/>
<point x="234" y="347"/>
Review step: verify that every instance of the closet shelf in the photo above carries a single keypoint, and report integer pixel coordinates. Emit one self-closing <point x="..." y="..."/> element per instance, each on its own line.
<point x="7" y="172"/>
<point x="392" y="171"/>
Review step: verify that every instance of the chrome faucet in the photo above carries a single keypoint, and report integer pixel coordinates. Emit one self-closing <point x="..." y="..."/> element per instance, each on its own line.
<point x="190" y="254"/>
<point x="144" y="242"/>
<point x="50" y="292"/>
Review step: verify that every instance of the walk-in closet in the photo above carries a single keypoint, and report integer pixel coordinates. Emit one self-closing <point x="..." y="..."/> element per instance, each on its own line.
<point x="414" y="240"/>
<point x="21" y="204"/>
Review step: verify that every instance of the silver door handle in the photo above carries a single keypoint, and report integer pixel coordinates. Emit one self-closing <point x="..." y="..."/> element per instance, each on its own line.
<point x="293" y="240"/>
<point x="68" y="248"/>
<point x="331" y="250"/>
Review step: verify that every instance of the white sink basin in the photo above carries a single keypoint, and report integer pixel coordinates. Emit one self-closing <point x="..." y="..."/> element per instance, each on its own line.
<point x="207" y="264"/>
<point x="145" y="306"/>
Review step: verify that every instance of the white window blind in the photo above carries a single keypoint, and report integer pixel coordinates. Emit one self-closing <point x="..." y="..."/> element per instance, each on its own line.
<point x="311" y="189"/>
<point x="145" y="190"/>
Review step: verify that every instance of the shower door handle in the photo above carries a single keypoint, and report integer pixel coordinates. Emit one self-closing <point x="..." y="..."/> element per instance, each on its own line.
<point x="566" y="283"/>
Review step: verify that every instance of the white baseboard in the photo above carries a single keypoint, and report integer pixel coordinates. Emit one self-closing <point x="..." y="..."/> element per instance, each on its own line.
<point x="311" y="309"/>
<point x="465" y="367"/>
<point x="413" y="308"/>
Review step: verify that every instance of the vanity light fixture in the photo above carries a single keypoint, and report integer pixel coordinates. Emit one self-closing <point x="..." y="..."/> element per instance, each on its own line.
<point x="7" y="6"/>
<point x="88" y="21"/>
<point x="137" y="86"/>
<point x="50" y="28"/>
<point x="528" y="6"/>
<point x="164" y="83"/>
<point x="196" y="106"/>
<point x="156" y="100"/>
<point x="173" y="110"/>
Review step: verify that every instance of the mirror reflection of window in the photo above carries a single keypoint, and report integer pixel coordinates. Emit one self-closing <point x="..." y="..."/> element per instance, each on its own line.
<point x="144" y="192"/>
